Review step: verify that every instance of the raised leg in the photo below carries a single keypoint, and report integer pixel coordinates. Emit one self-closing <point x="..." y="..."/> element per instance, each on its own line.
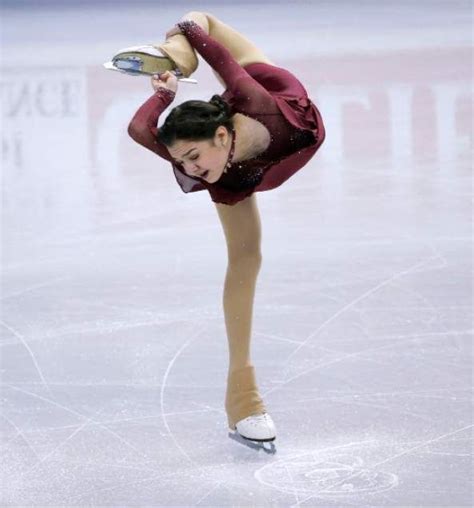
<point x="180" y="51"/>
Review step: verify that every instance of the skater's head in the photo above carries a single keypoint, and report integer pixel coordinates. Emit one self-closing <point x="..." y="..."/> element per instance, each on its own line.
<point x="198" y="136"/>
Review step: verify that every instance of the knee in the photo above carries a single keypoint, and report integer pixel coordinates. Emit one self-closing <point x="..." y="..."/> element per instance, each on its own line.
<point x="194" y="16"/>
<point x="198" y="17"/>
<point x="245" y="252"/>
<point x="248" y="260"/>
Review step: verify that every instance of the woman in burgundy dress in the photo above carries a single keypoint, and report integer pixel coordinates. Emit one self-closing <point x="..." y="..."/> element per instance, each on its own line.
<point x="252" y="138"/>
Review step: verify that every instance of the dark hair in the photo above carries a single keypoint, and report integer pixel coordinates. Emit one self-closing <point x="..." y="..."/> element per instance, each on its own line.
<point x="195" y="120"/>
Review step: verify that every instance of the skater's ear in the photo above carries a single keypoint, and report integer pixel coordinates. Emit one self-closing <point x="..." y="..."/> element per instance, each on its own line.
<point x="221" y="136"/>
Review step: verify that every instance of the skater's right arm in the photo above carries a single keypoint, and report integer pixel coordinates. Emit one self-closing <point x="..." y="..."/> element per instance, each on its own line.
<point x="143" y="127"/>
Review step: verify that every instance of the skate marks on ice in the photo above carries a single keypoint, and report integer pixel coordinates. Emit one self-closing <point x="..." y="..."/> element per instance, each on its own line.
<point x="266" y="446"/>
<point x="387" y="282"/>
<point x="333" y="472"/>
<point x="342" y="471"/>
<point x="194" y="336"/>
<point x="335" y="476"/>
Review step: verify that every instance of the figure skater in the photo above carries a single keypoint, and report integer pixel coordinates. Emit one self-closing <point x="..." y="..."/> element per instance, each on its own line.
<point x="252" y="138"/>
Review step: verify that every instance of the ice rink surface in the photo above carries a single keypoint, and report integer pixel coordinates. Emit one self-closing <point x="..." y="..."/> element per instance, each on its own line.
<point x="113" y="347"/>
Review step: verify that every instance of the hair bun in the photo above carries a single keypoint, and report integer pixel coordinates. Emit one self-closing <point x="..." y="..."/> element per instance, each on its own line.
<point x="196" y="120"/>
<point x="218" y="101"/>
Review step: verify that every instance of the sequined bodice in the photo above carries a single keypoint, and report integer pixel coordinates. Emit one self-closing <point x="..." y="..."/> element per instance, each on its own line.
<point x="264" y="92"/>
<point x="285" y="139"/>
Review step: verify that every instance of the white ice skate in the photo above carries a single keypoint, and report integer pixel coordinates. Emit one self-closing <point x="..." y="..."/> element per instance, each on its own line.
<point x="144" y="60"/>
<point x="259" y="427"/>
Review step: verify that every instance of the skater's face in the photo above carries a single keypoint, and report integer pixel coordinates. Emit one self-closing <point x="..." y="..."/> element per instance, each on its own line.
<point x="203" y="159"/>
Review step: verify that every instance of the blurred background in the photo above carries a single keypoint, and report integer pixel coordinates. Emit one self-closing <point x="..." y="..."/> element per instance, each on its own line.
<point x="113" y="345"/>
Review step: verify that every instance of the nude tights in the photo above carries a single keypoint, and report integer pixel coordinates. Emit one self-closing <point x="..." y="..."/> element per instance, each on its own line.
<point x="242" y="230"/>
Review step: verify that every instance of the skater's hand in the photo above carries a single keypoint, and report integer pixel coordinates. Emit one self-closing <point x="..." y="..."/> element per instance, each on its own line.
<point x="166" y="80"/>
<point x="174" y="31"/>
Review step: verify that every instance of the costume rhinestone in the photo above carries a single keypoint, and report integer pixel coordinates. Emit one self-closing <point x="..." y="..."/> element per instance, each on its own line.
<point x="231" y="152"/>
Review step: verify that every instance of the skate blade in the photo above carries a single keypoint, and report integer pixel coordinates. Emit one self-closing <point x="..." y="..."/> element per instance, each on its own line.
<point x="136" y="63"/>
<point x="111" y="67"/>
<point x="254" y="444"/>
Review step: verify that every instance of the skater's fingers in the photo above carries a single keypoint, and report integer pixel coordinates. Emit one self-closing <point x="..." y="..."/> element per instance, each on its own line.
<point x="171" y="80"/>
<point x="156" y="82"/>
<point x="166" y="80"/>
<point x="165" y="75"/>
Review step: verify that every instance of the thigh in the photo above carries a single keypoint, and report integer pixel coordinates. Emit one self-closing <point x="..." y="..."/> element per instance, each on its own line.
<point x="241" y="48"/>
<point x="242" y="228"/>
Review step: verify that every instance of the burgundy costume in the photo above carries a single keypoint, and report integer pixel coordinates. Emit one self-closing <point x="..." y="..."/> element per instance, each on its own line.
<point x="264" y="92"/>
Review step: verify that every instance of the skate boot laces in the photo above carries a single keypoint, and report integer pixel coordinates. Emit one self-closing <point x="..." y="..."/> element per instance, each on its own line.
<point x="259" y="418"/>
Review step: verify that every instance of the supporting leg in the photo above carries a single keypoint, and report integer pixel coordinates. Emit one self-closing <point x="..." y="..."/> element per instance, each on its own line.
<point x="242" y="228"/>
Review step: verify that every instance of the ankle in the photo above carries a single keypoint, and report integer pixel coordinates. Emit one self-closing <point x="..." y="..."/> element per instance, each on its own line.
<point x="235" y="366"/>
